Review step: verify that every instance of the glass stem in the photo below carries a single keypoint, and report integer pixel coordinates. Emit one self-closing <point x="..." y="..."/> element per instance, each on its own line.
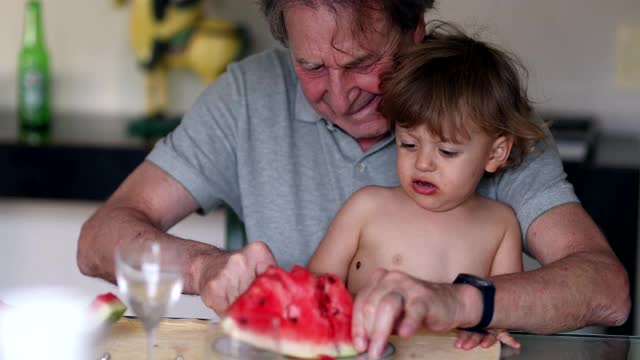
<point x="151" y="342"/>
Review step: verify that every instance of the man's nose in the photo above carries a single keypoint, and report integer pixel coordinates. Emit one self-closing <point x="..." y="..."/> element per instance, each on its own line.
<point x="340" y="92"/>
<point x="425" y="160"/>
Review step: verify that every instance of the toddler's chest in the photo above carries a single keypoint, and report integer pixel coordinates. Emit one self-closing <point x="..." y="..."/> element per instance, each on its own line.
<point x="428" y="252"/>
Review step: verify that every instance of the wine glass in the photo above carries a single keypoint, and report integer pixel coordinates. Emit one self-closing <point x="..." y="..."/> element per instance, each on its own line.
<point x="150" y="278"/>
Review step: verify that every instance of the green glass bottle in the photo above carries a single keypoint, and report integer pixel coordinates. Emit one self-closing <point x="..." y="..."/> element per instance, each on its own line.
<point x="33" y="73"/>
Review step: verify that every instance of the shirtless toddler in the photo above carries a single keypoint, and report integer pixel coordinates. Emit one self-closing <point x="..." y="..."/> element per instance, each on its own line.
<point x="460" y="112"/>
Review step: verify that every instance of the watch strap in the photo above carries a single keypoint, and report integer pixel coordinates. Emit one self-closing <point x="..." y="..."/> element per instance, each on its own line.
<point x="488" y="299"/>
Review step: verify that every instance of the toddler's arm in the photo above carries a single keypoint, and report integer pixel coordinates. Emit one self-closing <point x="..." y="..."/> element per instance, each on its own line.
<point x="508" y="258"/>
<point x="340" y="243"/>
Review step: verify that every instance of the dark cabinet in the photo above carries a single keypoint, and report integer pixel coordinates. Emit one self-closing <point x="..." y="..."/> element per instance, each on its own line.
<point x="609" y="189"/>
<point x="83" y="157"/>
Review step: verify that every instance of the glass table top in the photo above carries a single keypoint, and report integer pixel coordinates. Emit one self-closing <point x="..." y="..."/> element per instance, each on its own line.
<point x="574" y="346"/>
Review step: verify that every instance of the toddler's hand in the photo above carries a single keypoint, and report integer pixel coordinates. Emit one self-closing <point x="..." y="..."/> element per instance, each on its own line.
<point x="468" y="340"/>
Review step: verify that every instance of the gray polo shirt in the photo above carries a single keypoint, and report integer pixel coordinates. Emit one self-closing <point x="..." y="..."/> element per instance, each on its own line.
<point x="252" y="141"/>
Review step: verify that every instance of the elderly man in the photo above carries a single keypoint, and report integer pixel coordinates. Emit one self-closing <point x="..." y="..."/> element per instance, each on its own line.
<point x="284" y="137"/>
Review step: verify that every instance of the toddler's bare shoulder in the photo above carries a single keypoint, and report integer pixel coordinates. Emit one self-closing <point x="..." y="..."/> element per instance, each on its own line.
<point x="499" y="209"/>
<point x="371" y="197"/>
<point x="375" y="193"/>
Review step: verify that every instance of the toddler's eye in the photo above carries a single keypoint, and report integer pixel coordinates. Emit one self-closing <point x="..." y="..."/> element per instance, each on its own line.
<point x="407" y="145"/>
<point x="448" y="153"/>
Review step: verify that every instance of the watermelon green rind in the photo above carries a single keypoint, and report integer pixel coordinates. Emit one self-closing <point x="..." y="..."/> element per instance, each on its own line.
<point x="300" y="349"/>
<point x="111" y="313"/>
<point x="107" y="308"/>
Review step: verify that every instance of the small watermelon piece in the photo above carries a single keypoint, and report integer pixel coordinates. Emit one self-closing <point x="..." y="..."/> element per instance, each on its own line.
<point x="314" y="314"/>
<point x="107" y="308"/>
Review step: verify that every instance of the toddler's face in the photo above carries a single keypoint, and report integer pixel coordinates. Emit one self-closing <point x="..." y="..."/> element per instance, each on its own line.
<point x="441" y="175"/>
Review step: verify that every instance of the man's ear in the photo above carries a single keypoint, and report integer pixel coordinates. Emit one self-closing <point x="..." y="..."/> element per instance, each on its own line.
<point x="500" y="151"/>
<point x="420" y="31"/>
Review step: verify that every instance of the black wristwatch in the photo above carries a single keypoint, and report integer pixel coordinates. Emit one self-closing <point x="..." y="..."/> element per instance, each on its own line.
<point x="488" y="291"/>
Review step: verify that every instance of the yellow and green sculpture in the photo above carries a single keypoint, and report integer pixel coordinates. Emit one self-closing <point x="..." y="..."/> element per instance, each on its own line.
<point x="166" y="34"/>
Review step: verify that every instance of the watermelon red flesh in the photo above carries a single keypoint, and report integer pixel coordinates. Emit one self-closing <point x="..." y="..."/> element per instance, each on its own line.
<point x="314" y="314"/>
<point x="338" y="304"/>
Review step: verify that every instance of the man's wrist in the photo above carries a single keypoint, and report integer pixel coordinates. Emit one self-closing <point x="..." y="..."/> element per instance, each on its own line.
<point x="472" y="306"/>
<point x="202" y="264"/>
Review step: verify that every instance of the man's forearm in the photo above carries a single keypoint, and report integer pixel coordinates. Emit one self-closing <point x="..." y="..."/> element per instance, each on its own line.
<point x="102" y="233"/>
<point x="586" y="288"/>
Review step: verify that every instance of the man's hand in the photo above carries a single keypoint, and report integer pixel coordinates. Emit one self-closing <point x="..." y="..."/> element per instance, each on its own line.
<point x="219" y="289"/>
<point x="396" y="302"/>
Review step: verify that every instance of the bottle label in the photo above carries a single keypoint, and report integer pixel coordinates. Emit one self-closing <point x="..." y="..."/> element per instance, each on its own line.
<point x="33" y="98"/>
<point x="33" y="89"/>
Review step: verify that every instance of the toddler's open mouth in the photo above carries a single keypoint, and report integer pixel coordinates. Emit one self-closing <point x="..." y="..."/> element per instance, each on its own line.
<point x="422" y="183"/>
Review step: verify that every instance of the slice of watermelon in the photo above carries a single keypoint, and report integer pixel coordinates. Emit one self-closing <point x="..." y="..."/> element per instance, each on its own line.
<point x="313" y="313"/>
<point x="107" y="308"/>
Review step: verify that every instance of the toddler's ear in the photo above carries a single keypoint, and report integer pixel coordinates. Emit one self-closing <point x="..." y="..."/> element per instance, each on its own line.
<point x="499" y="153"/>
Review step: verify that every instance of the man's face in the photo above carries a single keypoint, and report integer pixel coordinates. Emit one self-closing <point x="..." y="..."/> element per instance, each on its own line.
<point x="339" y="77"/>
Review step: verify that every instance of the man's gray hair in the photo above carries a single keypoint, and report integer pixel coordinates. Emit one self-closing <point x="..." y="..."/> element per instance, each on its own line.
<point x="404" y="15"/>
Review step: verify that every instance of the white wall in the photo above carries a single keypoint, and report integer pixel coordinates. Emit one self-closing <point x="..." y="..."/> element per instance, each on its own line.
<point x="38" y="241"/>
<point x="93" y="66"/>
<point x="569" y="46"/>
